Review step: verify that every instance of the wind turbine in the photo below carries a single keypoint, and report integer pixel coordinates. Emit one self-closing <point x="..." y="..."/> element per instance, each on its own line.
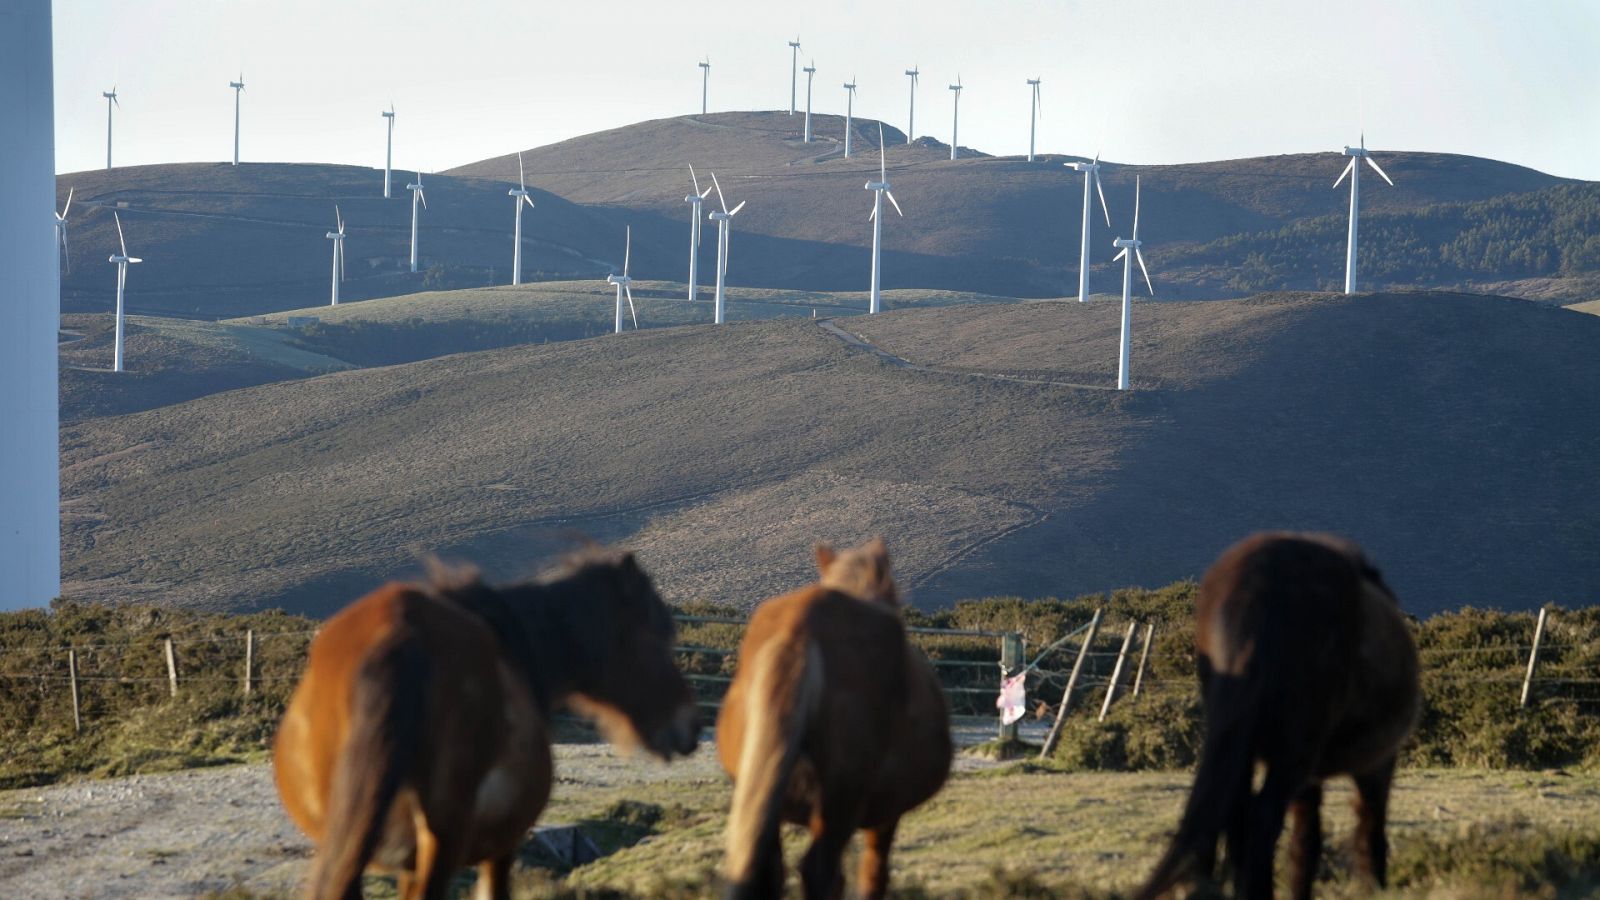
<point x="519" y="196"/>
<point x="416" y="197"/>
<point x="1033" y="116"/>
<point x="722" y="219"/>
<point x="1353" y="169"/>
<point x="61" y="230"/>
<point x="111" y="100"/>
<point x="238" y="89"/>
<point x="849" y="112"/>
<point x="388" y="153"/>
<point x="338" y="255"/>
<point x="705" y="81"/>
<point x="694" y="200"/>
<point x="794" y="79"/>
<point x="811" y="72"/>
<point x="881" y="190"/>
<point x="911" y="118"/>
<point x="1091" y="175"/>
<point x="122" y="260"/>
<point x="1130" y="252"/>
<point x="955" y="123"/>
<point x="623" y="283"/>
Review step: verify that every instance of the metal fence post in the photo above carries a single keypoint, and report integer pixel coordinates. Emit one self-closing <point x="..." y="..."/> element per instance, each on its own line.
<point x="1010" y="663"/>
<point x="1072" y="682"/>
<point x="1533" y="659"/>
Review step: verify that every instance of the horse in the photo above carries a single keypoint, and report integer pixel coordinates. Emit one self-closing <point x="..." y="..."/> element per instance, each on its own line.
<point x="833" y="721"/>
<point x="417" y="741"/>
<point x="1307" y="665"/>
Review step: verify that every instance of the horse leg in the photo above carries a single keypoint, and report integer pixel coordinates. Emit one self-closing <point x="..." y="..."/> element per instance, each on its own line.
<point x="874" y="881"/>
<point x="822" y="868"/>
<point x="435" y="863"/>
<point x="494" y="879"/>
<point x="1253" y="873"/>
<point x="1372" y="812"/>
<point x="1305" y="846"/>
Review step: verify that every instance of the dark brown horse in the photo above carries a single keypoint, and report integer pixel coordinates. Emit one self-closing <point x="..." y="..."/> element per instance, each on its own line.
<point x="833" y="721"/>
<point x="1307" y="666"/>
<point x="417" y="741"/>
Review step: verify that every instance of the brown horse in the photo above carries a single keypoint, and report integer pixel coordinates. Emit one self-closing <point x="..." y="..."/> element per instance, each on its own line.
<point x="1306" y="665"/>
<point x="833" y="721"/>
<point x="417" y="741"/>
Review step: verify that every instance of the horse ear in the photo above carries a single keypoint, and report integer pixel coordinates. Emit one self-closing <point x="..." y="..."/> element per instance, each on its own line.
<point x="629" y="562"/>
<point x="825" y="557"/>
<point x="879" y="552"/>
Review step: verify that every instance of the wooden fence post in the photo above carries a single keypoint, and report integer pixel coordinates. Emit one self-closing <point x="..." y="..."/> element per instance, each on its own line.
<point x="1116" y="672"/>
<point x="1533" y="660"/>
<point x="1072" y="682"/>
<point x="172" y="669"/>
<point x="72" y="676"/>
<point x="1138" y="679"/>
<point x="1010" y="663"/>
<point x="249" y="656"/>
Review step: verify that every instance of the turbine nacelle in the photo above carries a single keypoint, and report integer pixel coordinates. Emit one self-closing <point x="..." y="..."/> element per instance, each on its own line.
<point x="1127" y="242"/>
<point x="877" y="185"/>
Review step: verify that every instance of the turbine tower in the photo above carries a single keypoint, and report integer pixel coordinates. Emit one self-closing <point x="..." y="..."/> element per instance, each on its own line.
<point x="388" y="152"/>
<point x="338" y="255"/>
<point x="238" y="89"/>
<point x="911" y="118"/>
<point x="1353" y="169"/>
<point x="1033" y="116"/>
<point x="1130" y="252"/>
<point x="849" y="112"/>
<point x="122" y="261"/>
<point x="955" y="122"/>
<point x="723" y="218"/>
<point x="811" y="72"/>
<point x="111" y="100"/>
<point x="1091" y="176"/>
<point x="61" y="231"/>
<point x="705" y="81"/>
<point x="416" y="197"/>
<point x="623" y="283"/>
<point x="794" y="78"/>
<point x="519" y="196"/>
<point x="694" y="200"/>
<point x="880" y="189"/>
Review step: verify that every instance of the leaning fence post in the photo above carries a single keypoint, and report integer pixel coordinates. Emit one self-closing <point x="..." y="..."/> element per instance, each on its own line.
<point x="249" y="656"/>
<point x="72" y="676"/>
<point x="1072" y="682"/>
<point x="1138" y="678"/>
<point x="172" y="669"/>
<point x="1010" y="663"/>
<point x="1116" y="671"/>
<point x="1533" y="660"/>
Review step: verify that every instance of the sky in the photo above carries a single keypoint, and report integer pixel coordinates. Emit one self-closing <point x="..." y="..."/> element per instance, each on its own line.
<point x="1140" y="81"/>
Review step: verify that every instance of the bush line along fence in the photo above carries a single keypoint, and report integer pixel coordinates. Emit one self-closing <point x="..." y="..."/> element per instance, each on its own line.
<point x="971" y="664"/>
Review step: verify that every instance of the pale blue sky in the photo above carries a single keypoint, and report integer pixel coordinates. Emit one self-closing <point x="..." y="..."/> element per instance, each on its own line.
<point x="1143" y="81"/>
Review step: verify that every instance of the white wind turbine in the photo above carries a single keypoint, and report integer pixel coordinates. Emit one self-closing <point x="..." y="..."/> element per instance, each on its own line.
<point x="794" y="77"/>
<point x="61" y="230"/>
<point x="1091" y="176"/>
<point x="1353" y="169"/>
<point x="1033" y="116"/>
<point x="122" y="261"/>
<point x="388" y="153"/>
<point x="416" y="197"/>
<point x="338" y="255"/>
<point x="723" y="219"/>
<point x="705" y="83"/>
<point x="911" y="118"/>
<point x="519" y="196"/>
<point x="955" y="122"/>
<point x="1130" y="252"/>
<point x="849" y="112"/>
<point x="694" y="200"/>
<point x="811" y="72"/>
<point x="238" y="89"/>
<point x="623" y="283"/>
<point x="880" y="189"/>
<point x="111" y="100"/>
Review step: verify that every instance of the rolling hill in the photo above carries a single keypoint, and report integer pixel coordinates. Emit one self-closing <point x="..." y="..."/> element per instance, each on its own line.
<point x="1452" y="434"/>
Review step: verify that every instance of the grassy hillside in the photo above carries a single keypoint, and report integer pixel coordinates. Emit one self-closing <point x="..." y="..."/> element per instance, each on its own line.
<point x="1449" y="433"/>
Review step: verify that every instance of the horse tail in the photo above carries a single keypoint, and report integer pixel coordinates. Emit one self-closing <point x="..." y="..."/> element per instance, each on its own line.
<point x="1221" y="781"/>
<point x="378" y="756"/>
<point x="782" y="700"/>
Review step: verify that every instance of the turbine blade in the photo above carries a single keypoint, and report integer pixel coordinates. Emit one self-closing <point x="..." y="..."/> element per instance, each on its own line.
<point x="1101" y="191"/>
<point x="874" y="214"/>
<point x="522" y="181"/>
<point x="65" y="250"/>
<point x="1120" y="255"/>
<point x="883" y="156"/>
<point x="121" y="242"/>
<point x="338" y="218"/>
<point x="735" y="210"/>
<point x="628" y="291"/>
<point x="1136" y="207"/>
<point x="529" y="200"/>
<point x="68" y="207"/>
<point x="1373" y="163"/>
<point x="341" y="260"/>
<point x="423" y="197"/>
<point x="892" y="201"/>
<point x="718" y="185"/>
<point x="696" y="180"/>
<point x="1347" y="168"/>
<point x="1140" y="257"/>
<point x="134" y="259"/>
<point x="627" y="251"/>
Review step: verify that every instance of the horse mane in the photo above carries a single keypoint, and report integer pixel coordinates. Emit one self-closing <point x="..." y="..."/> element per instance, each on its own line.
<point x="462" y="585"/>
